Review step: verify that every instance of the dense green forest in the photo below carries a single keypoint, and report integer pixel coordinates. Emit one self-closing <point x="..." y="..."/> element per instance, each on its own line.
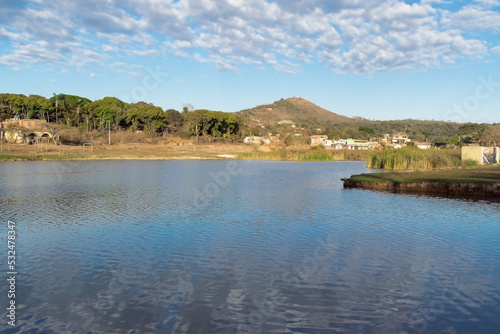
<point x="94" y="117"/>
<point x="112" y="113"/>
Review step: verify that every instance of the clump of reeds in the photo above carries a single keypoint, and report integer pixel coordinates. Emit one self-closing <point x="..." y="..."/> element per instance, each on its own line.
<point x="413" y="158"/>
<point x="314" y="154"/>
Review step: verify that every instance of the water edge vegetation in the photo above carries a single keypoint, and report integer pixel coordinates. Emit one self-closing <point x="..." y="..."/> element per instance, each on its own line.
<point x="413" y="158"/>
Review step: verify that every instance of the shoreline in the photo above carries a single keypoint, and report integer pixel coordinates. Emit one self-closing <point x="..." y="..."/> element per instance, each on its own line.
<point x="173" y="151"/>
<point x="477" y="182"/>
<point x="132" y="151"/>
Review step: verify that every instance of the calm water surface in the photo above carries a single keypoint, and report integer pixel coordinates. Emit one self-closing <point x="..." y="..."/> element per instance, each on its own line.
<point x="242" y="247"/>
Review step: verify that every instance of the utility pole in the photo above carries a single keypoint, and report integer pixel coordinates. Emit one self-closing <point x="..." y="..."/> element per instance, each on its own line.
<point x="109" y="133"/>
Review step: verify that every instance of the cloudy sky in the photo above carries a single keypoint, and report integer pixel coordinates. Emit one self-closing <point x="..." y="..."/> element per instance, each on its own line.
<point x="378" y="59"/>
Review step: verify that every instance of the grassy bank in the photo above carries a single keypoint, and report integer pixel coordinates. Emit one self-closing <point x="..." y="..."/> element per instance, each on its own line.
<point x="413" y="158"/>
<point x="483" y="181"/>
<point x="485" y="174"/>
<point x="313" y="154"/>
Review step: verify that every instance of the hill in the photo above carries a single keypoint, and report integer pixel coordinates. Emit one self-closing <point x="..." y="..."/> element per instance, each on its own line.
<point x="296" y="109"/>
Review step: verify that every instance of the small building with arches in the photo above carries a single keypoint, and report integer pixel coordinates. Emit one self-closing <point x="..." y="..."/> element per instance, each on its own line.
<point x="19" y="130"/>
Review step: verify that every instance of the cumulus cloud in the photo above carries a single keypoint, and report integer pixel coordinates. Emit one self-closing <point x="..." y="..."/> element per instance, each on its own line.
<point x="478" y="16"/>
<point x="347" y="36"/>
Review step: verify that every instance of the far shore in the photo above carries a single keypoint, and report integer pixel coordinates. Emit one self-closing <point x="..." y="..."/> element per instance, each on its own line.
<point x="133" y="151"/>
<point x="174" y="150"/>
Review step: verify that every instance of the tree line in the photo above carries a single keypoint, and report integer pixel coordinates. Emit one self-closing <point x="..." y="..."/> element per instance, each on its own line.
<point x="112" y="113"/>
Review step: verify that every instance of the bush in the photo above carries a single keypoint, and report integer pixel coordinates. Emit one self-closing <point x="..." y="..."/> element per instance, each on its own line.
<point x="126" y="137"/>
<point x="72" y="137"/>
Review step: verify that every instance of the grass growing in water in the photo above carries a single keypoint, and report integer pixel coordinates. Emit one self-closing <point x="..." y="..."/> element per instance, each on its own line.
<point x="413" y="158"/>
<point x="313" y="154"/>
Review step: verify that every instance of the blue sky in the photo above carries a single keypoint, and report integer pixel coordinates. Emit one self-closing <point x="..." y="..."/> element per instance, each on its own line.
<point x="378" y="59"/>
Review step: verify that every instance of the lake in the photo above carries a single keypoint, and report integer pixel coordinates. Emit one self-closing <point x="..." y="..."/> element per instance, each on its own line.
<point x="241" y="247"/>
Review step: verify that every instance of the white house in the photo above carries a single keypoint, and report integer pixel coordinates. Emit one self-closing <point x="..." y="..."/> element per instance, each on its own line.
<point x="328" y="143"/>
<point x="318" y="139"/>
<point x="257" y="140"/>
<point x="401" y="137"/>
<point x="423" y="146"/>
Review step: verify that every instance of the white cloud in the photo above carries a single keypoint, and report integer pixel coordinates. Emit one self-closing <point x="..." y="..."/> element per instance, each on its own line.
<point x="473" y="17"/>
<point x="93" y="75"/>
<point x="348" y="36"/>
<point x="496" y="50"/>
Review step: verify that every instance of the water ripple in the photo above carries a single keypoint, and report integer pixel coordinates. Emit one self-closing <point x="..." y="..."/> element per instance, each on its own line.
<point x="123" y="247"/>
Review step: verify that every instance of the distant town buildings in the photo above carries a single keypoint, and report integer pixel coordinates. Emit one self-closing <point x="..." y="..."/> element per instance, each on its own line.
<point x="396" y="141"/>
<point x="401" y="138"/>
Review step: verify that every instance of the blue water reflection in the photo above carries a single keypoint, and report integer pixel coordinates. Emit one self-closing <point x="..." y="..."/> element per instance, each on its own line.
<point x="243" y="247"/>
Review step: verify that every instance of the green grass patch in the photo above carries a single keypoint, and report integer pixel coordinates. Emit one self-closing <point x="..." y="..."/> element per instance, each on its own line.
<point x="483" y="174"/>
<point x="15" y="157"/>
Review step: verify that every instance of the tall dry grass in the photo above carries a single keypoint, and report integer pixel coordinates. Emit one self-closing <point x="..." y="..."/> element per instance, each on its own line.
<point x="413" y="158"/>
<point x="313" y="154"/>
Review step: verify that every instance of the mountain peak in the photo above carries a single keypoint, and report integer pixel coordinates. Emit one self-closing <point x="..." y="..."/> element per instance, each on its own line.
<point x="296" y="109"/>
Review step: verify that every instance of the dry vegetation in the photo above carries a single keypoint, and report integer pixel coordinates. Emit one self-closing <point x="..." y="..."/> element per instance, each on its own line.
<point x="170" y="148"/>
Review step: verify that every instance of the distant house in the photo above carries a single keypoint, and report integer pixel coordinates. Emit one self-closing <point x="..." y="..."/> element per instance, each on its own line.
<point x="401" y="138"/>
<point x="25" y="123"/>
<point x="327" y="143"/>
<point x="318" y="139"/>
<point x="354" y="144"/>
<point x="255" y="140"/>
<point x="423" y="146"/>
<point x="28" y="130"/>
<point x="338" y="145"/>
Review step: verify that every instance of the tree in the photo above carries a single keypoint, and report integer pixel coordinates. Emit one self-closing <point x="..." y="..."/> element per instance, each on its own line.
<point x="59" y="103"/>
<point x="174" y="120"/>
<point x="212" y="123"/>
<point x="366" y="132"/>
<point x="426" y="134"/>
<point x="491" y="136"/>
<point x="108" y="110"/>
<point x="470" y="132"/>
<point x="255" y="131"/>
<point x="55" y="131"/>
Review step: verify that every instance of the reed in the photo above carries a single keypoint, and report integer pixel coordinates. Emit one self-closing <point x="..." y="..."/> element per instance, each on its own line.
<point x="313" y="154"/>
<point x="413" y="158"/>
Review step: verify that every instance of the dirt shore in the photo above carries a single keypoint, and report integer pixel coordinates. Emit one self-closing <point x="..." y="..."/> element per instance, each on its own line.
<point x="143" y="151"/>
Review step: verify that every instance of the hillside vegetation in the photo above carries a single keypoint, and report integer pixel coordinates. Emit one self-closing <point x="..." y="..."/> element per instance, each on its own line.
<point x="308" y="118"/>
<point x="298" y="110"/>
<point x="77" y="119"/>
